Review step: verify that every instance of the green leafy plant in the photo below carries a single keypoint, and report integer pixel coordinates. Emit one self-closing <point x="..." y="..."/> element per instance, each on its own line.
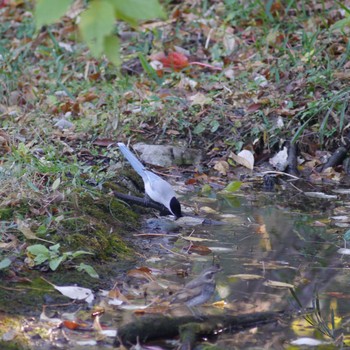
<point x="97" y="22"/>
<point x="149" y="70"/>
<point x="54" y="258"/>
<point x="315" y="318"/>
<point x="345" y="22"/>
<point x="5" y="263"/>
<point x="233" y="186"/>
<point x="335" y="103"/>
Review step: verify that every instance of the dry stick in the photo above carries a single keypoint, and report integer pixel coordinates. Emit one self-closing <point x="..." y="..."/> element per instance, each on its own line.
<point x="170" y="251"/>
<point x="45" y="306"/>
<point x="298" y="189"/>
<point x="154" y="234"/>
<point x="206" y="65"/>
<point x="24" y="289"/>
<point x="280" y="173"/>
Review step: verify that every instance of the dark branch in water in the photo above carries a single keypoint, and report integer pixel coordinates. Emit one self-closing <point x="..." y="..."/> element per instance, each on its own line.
<point x="336" y="158"/>
<point x="162" y="327"/>
<point x="293" y="160"/>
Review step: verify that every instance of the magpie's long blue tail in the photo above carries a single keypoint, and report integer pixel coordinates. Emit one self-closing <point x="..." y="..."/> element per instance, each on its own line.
<point x="134" y="162"/>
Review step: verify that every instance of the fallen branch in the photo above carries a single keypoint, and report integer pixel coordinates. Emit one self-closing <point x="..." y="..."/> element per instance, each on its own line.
<point x="335" y="159"/>
<point x="190" y="327"/>
<point x="280" y="173"/>
<point x="292" y="167"/>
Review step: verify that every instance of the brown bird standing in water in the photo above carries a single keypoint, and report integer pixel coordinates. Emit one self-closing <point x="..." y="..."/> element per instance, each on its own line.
<point x="199" y="290"/>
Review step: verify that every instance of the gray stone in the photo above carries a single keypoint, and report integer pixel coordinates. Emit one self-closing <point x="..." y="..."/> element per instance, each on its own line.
<point x="166" y="156"/>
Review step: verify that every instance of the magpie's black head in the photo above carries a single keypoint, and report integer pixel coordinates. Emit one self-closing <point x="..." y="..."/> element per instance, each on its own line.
<point x="175" y="207"/>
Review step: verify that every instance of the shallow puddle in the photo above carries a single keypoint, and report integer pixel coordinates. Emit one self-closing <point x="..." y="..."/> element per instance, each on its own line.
<point x="267" y="246"/>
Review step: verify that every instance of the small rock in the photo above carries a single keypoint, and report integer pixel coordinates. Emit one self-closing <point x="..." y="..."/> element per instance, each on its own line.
<point x="166" y="156"/>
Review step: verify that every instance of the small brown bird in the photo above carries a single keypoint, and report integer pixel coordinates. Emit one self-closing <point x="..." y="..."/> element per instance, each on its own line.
<point x="199" y="290"/>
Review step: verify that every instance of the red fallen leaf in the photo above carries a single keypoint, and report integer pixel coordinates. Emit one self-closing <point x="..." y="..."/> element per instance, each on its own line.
<point x="69" y="106"/>
<point x="174" y="60"/>
<point x="181" y="273"/>
<point x="95" y="76"/>
<point x="140" y="312"/>
<point x="163" y="94"/>
<point x="277" y="9"/>
<point x="117" y="294"/>
<point x="176" y="14"/>
<point x="71" y="324"/>
<point x="191" y="181"/>
<point x="4" y="3"/>
<point x="4" y="142"/>
<point x="158" y="309"/>
<point x="142" y="272"/>
<point x="172" y="132"/>
<point x="55" y="211"/>
<point x="145" y="269"/>
<point x="76" y="108"/>
<point x="178" y="61"/>
<point x="201" y="177"/>
<point x="254" y="107"/>
<point x="279" y="40"/>
<point x="200" y="249"/>
<point x="88" y="97"/>
<point x="103" y="142"/>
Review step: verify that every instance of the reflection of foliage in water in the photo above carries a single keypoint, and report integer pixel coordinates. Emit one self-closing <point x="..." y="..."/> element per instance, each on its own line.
<point x="314" y="317"/>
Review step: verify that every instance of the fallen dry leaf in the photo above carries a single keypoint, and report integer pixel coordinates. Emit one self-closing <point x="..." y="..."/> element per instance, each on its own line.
<point x="200" y="99"/>
<point x="245" y="158"/>
<point x="280" y="160"/>
<point x="27" y="232"/>
<point x="74" y="292"/>
<point x="200" y="249"/>
<point x="141" y="273"/>
<point x="246" y="276"/>
<point x="320" y="195"/>
<point x="222" y="167"/>
<point x="278" y="284"/>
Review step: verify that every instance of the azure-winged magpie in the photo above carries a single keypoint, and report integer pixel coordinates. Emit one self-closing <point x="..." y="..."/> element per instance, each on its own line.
<point x="156" y="188"/>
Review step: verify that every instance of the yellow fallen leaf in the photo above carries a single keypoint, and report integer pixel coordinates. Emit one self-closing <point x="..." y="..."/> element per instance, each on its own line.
<point x="222" y="167"/>
<point x="208" y="210"/>
<point x="246" y="276"/>
<point x="200" y="99"/>
<point x="278" y="284"/>
<point x="27" y="232"/>
<point x="220" y="304"/>
<point x="197" y="239"/>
